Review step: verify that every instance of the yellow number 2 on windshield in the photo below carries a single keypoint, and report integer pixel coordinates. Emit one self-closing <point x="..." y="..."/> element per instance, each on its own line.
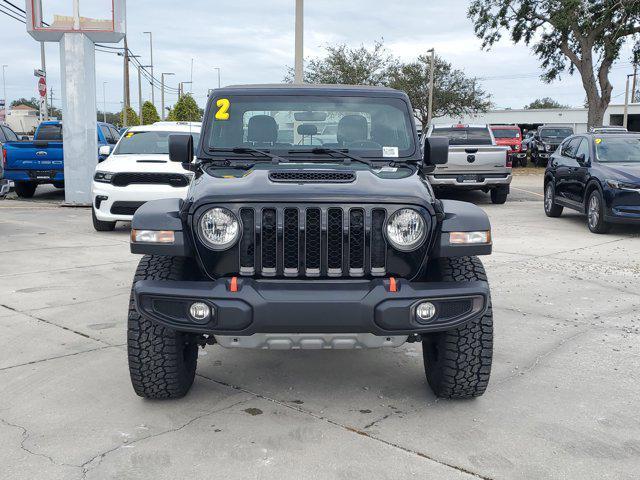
<point x="223" y="109"/>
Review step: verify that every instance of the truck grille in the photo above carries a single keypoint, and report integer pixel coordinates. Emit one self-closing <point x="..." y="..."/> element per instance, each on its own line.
<point x="327" y="241"/>
<point x="127" y="178"/>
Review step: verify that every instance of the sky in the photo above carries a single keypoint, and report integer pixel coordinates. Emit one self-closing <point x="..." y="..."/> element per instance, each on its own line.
<point x="252" y="41"/>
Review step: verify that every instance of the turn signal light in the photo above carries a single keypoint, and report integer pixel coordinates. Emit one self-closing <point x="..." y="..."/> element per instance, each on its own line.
<point x="153" y="236"/>
<point x="470" y="238"/>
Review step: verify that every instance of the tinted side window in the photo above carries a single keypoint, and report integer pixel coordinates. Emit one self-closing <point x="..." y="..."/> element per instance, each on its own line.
<point x="114" y="134"/>
<point x="583" y="149"/>
<point x="570" y="147"/>
<point x="2" y="137"/>
<point x="10" y="134"/>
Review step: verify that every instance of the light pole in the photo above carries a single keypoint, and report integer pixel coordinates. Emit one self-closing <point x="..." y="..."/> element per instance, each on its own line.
<point x="153" y="96"/>
<point x="218" y="69"/>
<point x="299" y="48"/>
<point x="104" y="102"/>
<point x="181" y="88"/>
<point x="162" y="90"/>
<point x="625" y="115"/>
<point x="4" y="88"/>
<point x="432" y="68"/>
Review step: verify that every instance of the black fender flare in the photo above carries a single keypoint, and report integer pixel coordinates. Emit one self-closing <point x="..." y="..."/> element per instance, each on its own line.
<point x="461" y="217"/>
<point x="164" y="214"/>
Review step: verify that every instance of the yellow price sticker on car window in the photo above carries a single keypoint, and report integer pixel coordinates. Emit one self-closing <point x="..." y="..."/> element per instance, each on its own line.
<point x="130" y="134"/>
<point x="598" y="141"/>
<point x="223" y="105"/>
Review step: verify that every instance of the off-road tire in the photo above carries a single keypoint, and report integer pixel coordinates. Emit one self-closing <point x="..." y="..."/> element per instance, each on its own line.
<point x="101" y="226"/>
<point x="457" y="362"/>
<point x="551" y="208"/>
<point x="162" y="361"/>
<point x="597" y="223"/>
<point x="499" y="195"/>
<point x="25" y="189"/>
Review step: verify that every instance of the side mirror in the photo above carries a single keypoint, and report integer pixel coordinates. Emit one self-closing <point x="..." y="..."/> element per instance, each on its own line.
<point x="104" y="150"/>
<point x="181" y="148"/>
<point x="581" y="159"/>
<point x="436" y="150"/>
<point x="24" y="138"/>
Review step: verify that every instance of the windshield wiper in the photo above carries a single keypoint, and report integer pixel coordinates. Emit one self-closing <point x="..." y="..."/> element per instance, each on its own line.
<point x="328" y="151"/>
<point x="250" y="150"/>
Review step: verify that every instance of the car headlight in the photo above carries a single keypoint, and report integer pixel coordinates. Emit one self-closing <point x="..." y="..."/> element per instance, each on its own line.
<point x="219" y="228"/>
<point x="406" y="230"/>
<point x="618" y="185"/>
<point x="103" y="177"/>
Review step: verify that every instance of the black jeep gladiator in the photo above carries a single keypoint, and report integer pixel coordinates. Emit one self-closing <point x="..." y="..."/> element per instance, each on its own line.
<point x="288" y="241"/>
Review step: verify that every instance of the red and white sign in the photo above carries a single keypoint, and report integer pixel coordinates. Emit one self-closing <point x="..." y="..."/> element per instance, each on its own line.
<point x="42" y="87"/>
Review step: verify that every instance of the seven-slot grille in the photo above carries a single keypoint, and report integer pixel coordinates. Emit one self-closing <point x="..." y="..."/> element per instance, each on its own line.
<point x="127" y="178"/>
<point x="313" y="241"/>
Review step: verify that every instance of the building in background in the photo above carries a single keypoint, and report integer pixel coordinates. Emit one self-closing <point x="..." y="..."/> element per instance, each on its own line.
<point x="23" y="119"/>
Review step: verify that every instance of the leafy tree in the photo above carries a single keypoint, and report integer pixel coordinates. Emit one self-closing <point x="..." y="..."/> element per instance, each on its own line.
<point x="33" y="103"/>
<point x="112" y="118"/>
<point x="149" y="113"/>
<point x="132" y="117"/>
<point x="545" y="102"/>
<point x="351" y="66"/>
<point x="582" y="35"/>
<point x="185" y="110"/>
<point x="453" y="93"/>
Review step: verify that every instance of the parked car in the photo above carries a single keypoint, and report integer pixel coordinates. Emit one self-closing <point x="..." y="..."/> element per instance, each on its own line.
<point x="296" y="246"/>
<point x="511" y="136"/>
<point x="6" y="135"/>
<point x="136" y="171"/>
<point x="596" y="174"/>
<point x="475" y="161"/>
<point x="41" y="161"/>
<point x="545" y="141"/>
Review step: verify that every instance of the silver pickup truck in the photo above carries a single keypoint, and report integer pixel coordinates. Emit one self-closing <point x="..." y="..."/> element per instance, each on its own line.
<point x="475" y="161"/>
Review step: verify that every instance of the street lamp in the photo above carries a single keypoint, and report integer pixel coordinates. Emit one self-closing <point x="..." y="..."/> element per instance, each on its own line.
<point x="162" y="90"/>
<point x="153" y="97"/>
<point x="431" y="81"/>
<point x="104" y="102"/>
<point x="218" y="69"/>
<point x="299" y="47"/>
<point x="4" y="87"/>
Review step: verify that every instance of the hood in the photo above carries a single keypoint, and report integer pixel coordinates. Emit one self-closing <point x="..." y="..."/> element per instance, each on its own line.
<point x="140" y="163"/>
<point x="624" y="172"/>
<point x="257" y="185"/>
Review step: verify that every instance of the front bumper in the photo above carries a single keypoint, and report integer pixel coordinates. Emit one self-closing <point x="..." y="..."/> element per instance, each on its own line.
<point x="623" y="206"/>
<point x="459" y="180"/>
<point x="310" y="306"/>
<point x="104" y="196"/>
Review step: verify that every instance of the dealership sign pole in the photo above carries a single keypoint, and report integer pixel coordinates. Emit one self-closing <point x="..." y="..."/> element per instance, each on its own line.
<point x="76" y="26"/>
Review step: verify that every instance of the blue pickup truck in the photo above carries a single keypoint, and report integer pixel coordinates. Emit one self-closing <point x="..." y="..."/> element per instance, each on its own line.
<point x="30" y="164"/>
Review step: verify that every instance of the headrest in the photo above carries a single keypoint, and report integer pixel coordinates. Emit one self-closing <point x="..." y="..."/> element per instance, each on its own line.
<point x="307" y="129"/>
<point x="352" y="128"/>
<point x="263" y="129"/>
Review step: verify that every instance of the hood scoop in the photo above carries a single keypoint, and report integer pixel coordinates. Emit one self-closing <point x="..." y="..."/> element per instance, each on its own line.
<point x="311" y="176"/>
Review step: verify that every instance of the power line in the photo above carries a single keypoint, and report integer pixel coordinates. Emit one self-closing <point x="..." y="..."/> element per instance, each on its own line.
<point x="12" y="14"/>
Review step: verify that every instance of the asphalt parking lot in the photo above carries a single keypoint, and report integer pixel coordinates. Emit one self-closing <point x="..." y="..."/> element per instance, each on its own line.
<point x="562" y="402"/>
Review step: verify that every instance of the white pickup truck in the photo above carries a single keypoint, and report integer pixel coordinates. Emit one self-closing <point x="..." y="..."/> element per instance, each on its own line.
<point x="475" y="161"/>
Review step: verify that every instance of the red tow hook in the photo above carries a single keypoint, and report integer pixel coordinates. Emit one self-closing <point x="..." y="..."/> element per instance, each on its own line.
<point x="233" y="284"/>
<point x="393" y="285"/>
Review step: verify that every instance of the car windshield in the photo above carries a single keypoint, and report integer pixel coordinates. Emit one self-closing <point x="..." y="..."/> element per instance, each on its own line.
<point x="366" y="126"/>
<point x="506" y="133"/>
<point x="147" y="143"/>
<point x="618" y="149"/>
<point x="560" y="133"/>
<point x="462" y="135"/>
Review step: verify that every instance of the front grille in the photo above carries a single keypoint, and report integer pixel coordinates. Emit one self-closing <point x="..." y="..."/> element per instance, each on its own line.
<point x="125" y="208"/>
<point x="128" y="178"/>
<point x="311" y="176"/>
<point x="326" y="241"/>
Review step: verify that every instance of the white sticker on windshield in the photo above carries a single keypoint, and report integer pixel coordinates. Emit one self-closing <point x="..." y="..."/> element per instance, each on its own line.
<point x="390" y="152"/>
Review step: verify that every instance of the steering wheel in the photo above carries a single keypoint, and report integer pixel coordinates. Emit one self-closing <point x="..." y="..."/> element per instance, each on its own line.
<point x="365" y="145"/>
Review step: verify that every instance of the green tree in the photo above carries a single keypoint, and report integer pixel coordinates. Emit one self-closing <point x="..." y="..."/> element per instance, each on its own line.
<point x="132" y="117"/>
<point x="351" y="66"/>
<point x="453" y="93"/>
<point x="33" y="103"/>
<point x="567" y="35"/>
<point x="545" y="102"/>
<point x="149" y="113"/>
<point x="185" y="110"/>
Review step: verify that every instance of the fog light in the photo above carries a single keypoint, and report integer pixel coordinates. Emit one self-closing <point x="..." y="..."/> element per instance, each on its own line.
<point x="199" y="311"/>
<point x="425" y="311"/>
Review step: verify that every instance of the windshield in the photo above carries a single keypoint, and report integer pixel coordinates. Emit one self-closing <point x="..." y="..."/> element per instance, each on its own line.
<point x="561" y="133"/>
<point x="618" y="149"/>
<point x="506" y="133"/>
<point x="366" y="126"/>
<point x="147" y="143"/>
<point x="50" y="132"/>
<point x="464" y="135"/>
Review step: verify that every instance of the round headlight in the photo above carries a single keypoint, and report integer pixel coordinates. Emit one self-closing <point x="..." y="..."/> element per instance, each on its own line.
<point x="406" y="229"/>
<point x="219" y="228"/>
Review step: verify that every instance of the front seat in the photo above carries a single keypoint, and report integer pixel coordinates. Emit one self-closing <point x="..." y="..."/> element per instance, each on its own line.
<point x="352" y="128"/>
<point x="262" y="131"/>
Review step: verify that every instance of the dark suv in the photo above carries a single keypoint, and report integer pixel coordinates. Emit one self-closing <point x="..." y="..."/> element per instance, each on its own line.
<point x="283" y="243"/>
<point x="597" y="174"/>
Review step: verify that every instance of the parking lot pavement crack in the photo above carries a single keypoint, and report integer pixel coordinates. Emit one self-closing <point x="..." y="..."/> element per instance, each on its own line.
<point x="35" y="362"/>
<point x="96" y="460"/>
<point x="348" y="428"/>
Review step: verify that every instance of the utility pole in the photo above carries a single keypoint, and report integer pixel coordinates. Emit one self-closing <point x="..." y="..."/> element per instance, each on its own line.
<point x="191" y="78"/>
<point x="299" y="47"/>
<point x="633" y="87"/>
<point x="162" y="115"/>
<point x="4" y="89"/>
<point x="43" y="66"/>
<point x="104" y="102"/>
<point x="218" y="69"/>
<point x="432" y="69"/>
<point x="51" y="97"/>
<point x="153" y="95"/>
<point x="626" y="104"/>
<point x="140" y="95"/>
<point x="126" y="95"/>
